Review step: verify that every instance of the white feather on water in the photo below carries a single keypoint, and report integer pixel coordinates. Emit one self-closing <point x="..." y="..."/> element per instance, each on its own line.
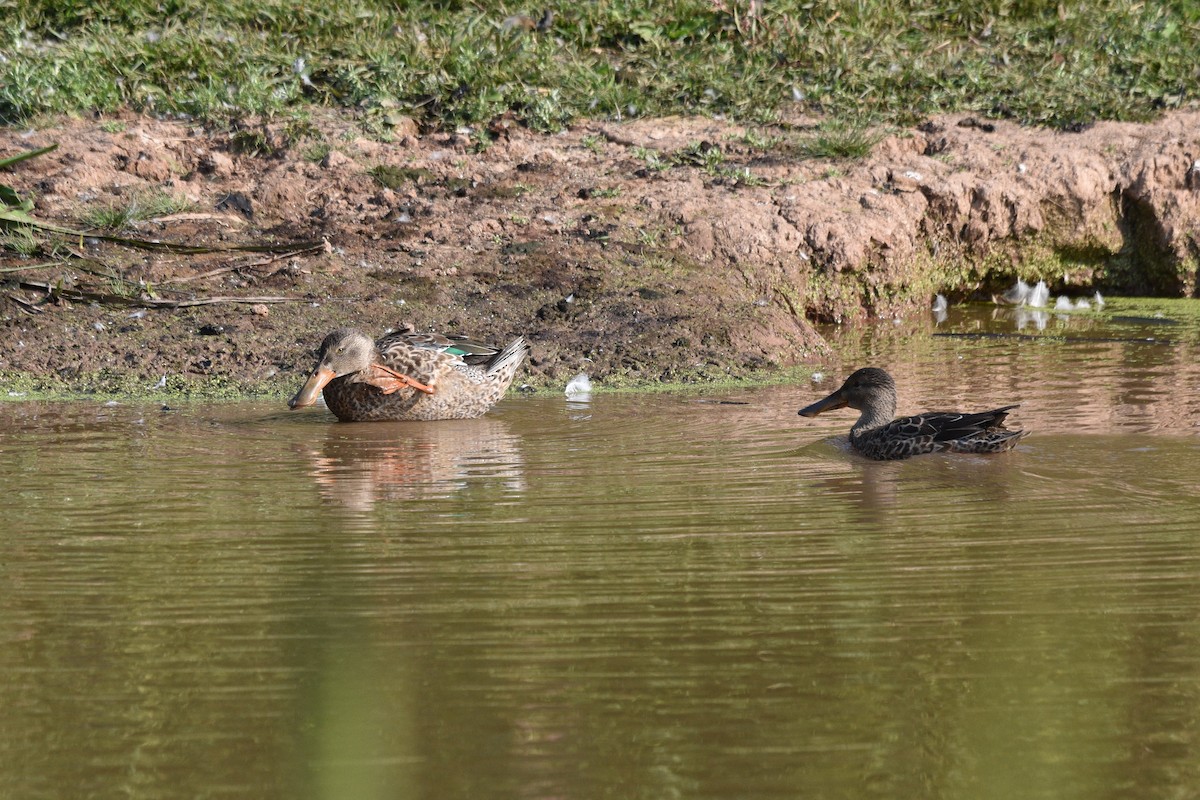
<point x="1022" y="294"/>
<point x="939" y="308"/>
<point x="1018" y="294"/>
<point x="1039" y="295"/>
<point x="578" y="386"/>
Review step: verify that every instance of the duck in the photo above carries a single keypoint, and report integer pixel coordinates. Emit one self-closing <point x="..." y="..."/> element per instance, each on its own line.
<point x="879" y="436"/>
<point x="407" y="375"/>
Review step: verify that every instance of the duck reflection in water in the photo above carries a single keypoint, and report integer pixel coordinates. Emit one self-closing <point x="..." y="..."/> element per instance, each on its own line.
<point x="359" y="465"/>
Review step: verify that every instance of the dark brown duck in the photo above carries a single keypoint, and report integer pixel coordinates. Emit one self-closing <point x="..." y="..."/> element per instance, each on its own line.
<point x="878" y="435"/>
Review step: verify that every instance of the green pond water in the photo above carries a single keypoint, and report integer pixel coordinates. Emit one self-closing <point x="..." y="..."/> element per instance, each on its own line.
<point x="631" y="596"/>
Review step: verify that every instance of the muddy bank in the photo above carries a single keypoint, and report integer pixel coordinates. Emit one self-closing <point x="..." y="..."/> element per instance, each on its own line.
<point x="677" y="249"/>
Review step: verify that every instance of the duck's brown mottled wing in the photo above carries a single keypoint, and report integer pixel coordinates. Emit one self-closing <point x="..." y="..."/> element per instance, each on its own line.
<point x="425" y="364"/>
<point x="945" y="426"/>
<point x="469" y="350"/>
<point x="981" y="432"/>
<point x="993" y="440"/>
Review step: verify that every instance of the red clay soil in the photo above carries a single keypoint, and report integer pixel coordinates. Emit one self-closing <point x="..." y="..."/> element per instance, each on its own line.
<point x="670" y="249"/>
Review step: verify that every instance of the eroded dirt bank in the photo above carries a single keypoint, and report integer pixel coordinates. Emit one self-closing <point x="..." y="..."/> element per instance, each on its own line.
<point x="677" y="249"/>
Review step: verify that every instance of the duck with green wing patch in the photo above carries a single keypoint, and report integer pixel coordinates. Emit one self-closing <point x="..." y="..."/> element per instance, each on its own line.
<point x="409" y="376"/>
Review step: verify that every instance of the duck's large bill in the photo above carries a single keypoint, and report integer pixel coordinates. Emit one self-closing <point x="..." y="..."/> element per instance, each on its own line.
<point x="835" y="400"/>
<point x="311" y="388"/>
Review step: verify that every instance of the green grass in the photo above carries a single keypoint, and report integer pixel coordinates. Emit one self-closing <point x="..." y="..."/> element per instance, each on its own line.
<point x="119" y="216"/>
<point x="20" y="241"/>
<point x="453" y="62"/>
<point x="316" y="152"/>
<point x="838" y="139"/>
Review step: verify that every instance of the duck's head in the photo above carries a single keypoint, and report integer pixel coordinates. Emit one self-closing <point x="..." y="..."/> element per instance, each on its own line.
<point x="868" y="389"/>
<point x="343" y="352"/>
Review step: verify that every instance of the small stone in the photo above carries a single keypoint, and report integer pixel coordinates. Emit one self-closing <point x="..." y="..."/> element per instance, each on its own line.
<point x="402" y="126"/>
<point x="905" y="181"/>
<point x="260" y="310"/>
<point x="218" y="165"/>
<point x="236" y="201"/>
<point x="336" y="160"/>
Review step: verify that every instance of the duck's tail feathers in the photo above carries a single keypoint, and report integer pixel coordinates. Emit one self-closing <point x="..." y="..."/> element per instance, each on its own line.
<point x="510" y="357"/>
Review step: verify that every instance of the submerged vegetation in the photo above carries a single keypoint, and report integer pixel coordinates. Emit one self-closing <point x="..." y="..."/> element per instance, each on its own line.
<point x="451" y="63"/>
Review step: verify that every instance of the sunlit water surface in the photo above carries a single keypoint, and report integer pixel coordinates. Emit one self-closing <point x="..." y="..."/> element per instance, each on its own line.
<point x="630" y="596"/>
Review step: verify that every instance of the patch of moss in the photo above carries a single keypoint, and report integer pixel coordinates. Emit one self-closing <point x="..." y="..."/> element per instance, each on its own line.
<point x="20" y="386"/>
<point x="413" y="288"/>
<point x="883" y="289"/>
<point x="393" y="177"/>
<point x="1181" y="309"/>
<point x="695" y="381"/>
